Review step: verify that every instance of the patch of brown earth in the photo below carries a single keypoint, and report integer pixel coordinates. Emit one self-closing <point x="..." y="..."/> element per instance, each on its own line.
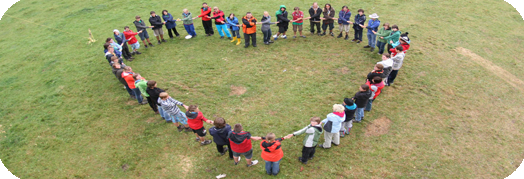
<point x="237" y="90"/>
<point x="185" y="164"/>
<point x="378" y="127"/>
<point x="343" y="70"/>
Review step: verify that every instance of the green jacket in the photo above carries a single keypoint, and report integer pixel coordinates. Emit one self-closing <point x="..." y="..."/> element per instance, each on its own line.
<point x="394" y="36"/>
<point x="142" y="86"/>
<point x="187" y="18"/>
<point x="312" y="135"/>
<point x="383" y="33"/>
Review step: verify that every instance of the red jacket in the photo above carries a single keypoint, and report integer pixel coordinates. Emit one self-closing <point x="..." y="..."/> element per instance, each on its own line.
<point x="272" y="151"/>
<point x="298" y="15"/>
<point x="129" y="79"/>
<point x="204" y="14"/>
<point x="240" y="142"/>
<point x="218" y="16"/>
<point x="195" y="121"/>
<point x="404" y="46"/>
<point x="130" y="35"/>
<point x="249" y="25"/>
<point x="379" y="86"/>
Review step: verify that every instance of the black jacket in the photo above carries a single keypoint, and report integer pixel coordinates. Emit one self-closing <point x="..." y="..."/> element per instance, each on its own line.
<point x="156" y="22"/>
<point x="282" y="19"/>
<point x="220" y="134"/>
<point x="361" y="98"/>
<point x="118" y="74"/>
<point x="359" y="20"/>
<point x="350" y="114"/>
<point x="315" y="16"/>
<point x="154" y="93"/>
<point x="372" y="75"/>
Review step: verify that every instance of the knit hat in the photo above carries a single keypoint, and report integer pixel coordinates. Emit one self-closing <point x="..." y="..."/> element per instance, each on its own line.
<point x="404" y="37"/>
<point x="374" y="16"/>
<point x="348" y="101"/>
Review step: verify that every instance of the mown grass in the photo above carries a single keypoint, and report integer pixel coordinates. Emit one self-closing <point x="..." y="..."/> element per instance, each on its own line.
<point x="66" y="116"/>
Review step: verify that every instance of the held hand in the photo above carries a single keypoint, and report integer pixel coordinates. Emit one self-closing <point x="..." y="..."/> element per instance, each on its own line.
<point x="193" y="18"/>
<point x="151" y="26"/>
<point x="164" y="22"/>
<point x="391" y="41"/>
<point x="187" y="107"/>
<point x="222" y="22"/>
<point x="381" y="37"/>
<point x="350" y="22"/>
<point x="208" y="17"/>
<point x="277" y="22"/>
<point x="374" y="32"/>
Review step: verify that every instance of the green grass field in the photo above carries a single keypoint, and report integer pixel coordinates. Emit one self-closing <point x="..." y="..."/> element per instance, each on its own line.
<point x="64" y="115"/>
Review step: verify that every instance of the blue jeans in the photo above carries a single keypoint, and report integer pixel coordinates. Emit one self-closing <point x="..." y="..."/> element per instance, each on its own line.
<point x="235" y="33"/>
<point x="360" y="114"/>
<point x="267" y="35"/>
<point x="138" y="95"/>
<point x="381" y="46"/>
<point x="180" y="117"/>
<point x="369" y="105"/>
<point x="273" y="167"/>
<point x="190" y="29"/>
<point x="162" y="113"/>
<point x="372" y="39"/>
<point x="224" y="28"/>
<point x="131" y="93"/>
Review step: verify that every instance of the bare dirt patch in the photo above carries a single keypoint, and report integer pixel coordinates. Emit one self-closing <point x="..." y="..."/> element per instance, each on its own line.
<point x="132" y="102"/>
<point x="185" y="165"/>
<point x="125" y="167"/>
<point x="237" y="90"/>
<point x="378" y="127"/>
<point x="151" y="119"/>
<point x="343" y="70"/>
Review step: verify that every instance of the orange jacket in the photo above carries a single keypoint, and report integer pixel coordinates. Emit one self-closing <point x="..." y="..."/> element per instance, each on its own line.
<point x="272" y="151"/>
<point x="249" y="25"/>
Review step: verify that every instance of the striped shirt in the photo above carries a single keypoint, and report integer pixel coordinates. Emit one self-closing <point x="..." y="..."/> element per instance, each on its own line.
<point x="170" y="105"/>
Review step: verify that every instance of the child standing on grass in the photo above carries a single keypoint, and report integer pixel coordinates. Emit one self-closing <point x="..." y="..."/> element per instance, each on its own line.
<point x="173" y="113"/>
<point x="128" y="76"/>
<point x="403" y="41"/>
<point x="118" y="70"/>
<point x="283" y="22"/>
<point x="332" y="126"/>
<point x="349" y="110"/>
<point x="393" y="37"/>
<point x="141" y="84"/>
<point x="195" y="120"/>
<point x="360" y="19"/>
<point x="266" y="27"/>
<point x="376" y="85"/>
<point x="361" y="99"/>
<point x="130" y="35"/>
<point x="233" y="25"/>
<point x="121" y="39"/>
<point x="344" y="16"/>
<point x="398" y="59"/>
<point x="381" y="42"/>
<point x="240" y="142"/>
<point x="220" y="133"/>
<point x="154" y="93"/>
<point x="298" y="22"/>
<point x="272" y="153"/>
<point x="313" y="132"/>
<point x="378" y="70"/>
<point x="388" y="64"/>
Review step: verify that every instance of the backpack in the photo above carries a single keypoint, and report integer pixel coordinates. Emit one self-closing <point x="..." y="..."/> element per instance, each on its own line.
<point x="328" y="126"/>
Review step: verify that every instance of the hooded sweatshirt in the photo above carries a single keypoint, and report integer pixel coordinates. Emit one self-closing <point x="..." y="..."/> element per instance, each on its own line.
<point x="272" y="151"/>
<point x="220" y="134"/>
<point x="266" y="23"/>
<point x="312" y="135"/>
<point x="350" y="111"/>
<point x="142" y="86"/>
<point x="361" y="98"/>
<point x="376" y="88"/>
<point x="393" y="36"/>
<point x="154" y="93"/>
<point x="282" y="16"/>
<point x="240" y="142"/>
<point x="336" y="118"/>
<point x="140" y="25"/>
<point x="195" y="120"/>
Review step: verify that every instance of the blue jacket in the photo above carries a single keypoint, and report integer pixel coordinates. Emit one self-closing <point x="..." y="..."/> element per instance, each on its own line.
<point x="232" y="23"/>
<point x="120" y="38"/>
<point x="170" y="22"/>
<point x="220" y="135"/>
<point x="344" y="17"/>
<point x="359" y="19"/>
<point x="336" y="120"/>
<point x="373" y="25"/>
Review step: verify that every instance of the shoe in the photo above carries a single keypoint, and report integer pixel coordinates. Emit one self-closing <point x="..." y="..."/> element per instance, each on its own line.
<point x="188" y="130"/>
<point x="319" y="34"/>
<point x="347" y="37"/>
<point x="234" y="39"/>
<point x="221" y="37"/>
<point x="323" y="34"/>
<point x="311" y="158"/>
<point x="254" y="162"/>
<point x="206" y="142"/>
<point x="342" y="134"/>
<point x="159" y="42"/>
<point x="197" y="139"/>
<point x="332" y="35"/>
<point x="372" y="49"/>
<point x="275" y="36"/>
<point x="211" y="34"/>
<point x="230" y="38"/>
<point x="178" y="35"/>
<point x="138" y="53"/>
<point x="358" y="41"/>
<point x="171" y="38"/>
<point x="246" y="46"/>
<point x="334" y="144"/>
<point x="146" y="46"/>
<point x="143" y="102"/>
<point x="353" y="40"/>
<point x="379" y="54"/>
<point x="130" y="60"/>
<point x="303" y="36"/>
<point x="180" y="129"/>
<point x="322" y="146"/>
<point x="238" y="43"/>
<point x="339" y="35"/>
<point x="295" y="37"/>
<point x="133" y="53"/>
<point x="254" y="45"/>
<point x="347" y="131"/>
<point x="224" y="153"/>
<point x="312" y="33"/>
<point x="150" y="44"/>
<point x="284" y="36"/>
<point x="267" y="43"/>
<point x="165" y="40"/>
<point x="367" y="46"/>
<point x="208" y="34"/>
<point x="271" y="42"/>
<point x="300" y="160"/>
<point x="357" y="121"/>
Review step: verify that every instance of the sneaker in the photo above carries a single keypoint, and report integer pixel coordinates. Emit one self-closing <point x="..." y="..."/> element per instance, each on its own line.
<point x="254" y="162"/>
<point x="165" y="40"/>
<point x="339" y="35"/>
<point x="146" y="46"/>
<point x="133" y="53"/>
<point x="224" y="153"/>
<point x="159" y="42"/>
<point x="372" y="49"/>
<point x="246" y="46"/>
<point x="357" y="121"/>
<point x="284" y="36"/>
<point x="143" y="102"/>
<point x="319" y="34"/>
<point x="311" y="158"/>
<point x="367" y="46"/>
<point x="358" y="41"/>
<point x="254" y="45"/>
<point x="353" y="40"/>
<point x="238" y="160"/>
<point x="150" y="44"/>
<point x="179" y="128"/>
<point x="312" y="33"/>
<point x="295" y="37"/>
<point x="267" y="43"/>
<point x="303" y="36"/>
<point x="347" y="131"/>
<point x="188" y="130"/>
<point x="300" y="160"/>
<point x="131" y="58"/>
<point x="197" y="139"/>
<point x="178" y="35"/>
<point x="138" y="53"/>
<point x="332" y="35"/>
<point x="323" y="34"/>
<point x="206" y="142"/>
<point x="271" y="42"/>
<point x="221" y="37"/>
<point x="230" y="38"/>
<point x="275" y="36"/>
<point x="347" y="37"/>
<point x="334" y="144"/>
<point x="322" y="146"/>
<point x="342" y="134"/>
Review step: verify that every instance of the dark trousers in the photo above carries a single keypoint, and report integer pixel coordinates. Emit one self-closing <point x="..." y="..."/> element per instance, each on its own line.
<point x="389" y="48"/>
<point x="307" y="153"/>
<point x="208" y="27"/>
<point x="125" y="52"/>
<point x="220" y="149"/>
<point x="267" y="35"/>
<point x="392" y="76"/>
<point x="381" y="46"/>
<point x="358" y="34"/>
<point x="250" y="36"/>
<point x="171" y="34"/>
<point x="312" y="27"/>
<point x="131" y="93"/>
<point x="152" y="104"/>
<point x="330" y="25"/>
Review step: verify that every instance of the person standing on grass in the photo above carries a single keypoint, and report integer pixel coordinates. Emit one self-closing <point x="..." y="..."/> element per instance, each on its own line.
<point x="361" y="99"/>
<point x="220" y="133"/>
<point x="206" y="20"/>
<point x="141" y="84"/>
<point x="398" y="59"/>
<point x="110" y="55"/>
<point x="118" y="70"/>
<point x="220" y="23"/>
<point x="328" y="19"/>
<point x="233" y="25"/>
<point x="121" y="39"/>
<point x="154" y="93"/>
<point x="314" y="13"/>
<point x="272" y="152"/>
<point x="283" y="22"/>
<point x="349" y="109"/>
<point x="157" y="24"/>
<point x="403" y="41"/>
<point x="240" y="142"/>
<point x="381" y="42"/>
<point x="298" y="22"/>
<point x="332" y="125"/>
<point x="360" y="19"/>
<point x="376" y="85"/>
<point x="170" y="24"/>
<point x="344" y="16"/>
<point x="313" y="132"/>
<point x="188" y="23"/>
<point x="128" y="76"/>
<point x="250" y="29"/>
<point x="388" y="66"/>
<point x="116" y="47"/>
<point x="130" y="36"/>
<point x="141" y="27"/>
<point x="372" y="27"/>
<point x="378" y="70"/>
<point x="266" y="27"/>
<point x="393" y="37"/>
<point x="195" y="120"/>
<point x="173" y="113"/>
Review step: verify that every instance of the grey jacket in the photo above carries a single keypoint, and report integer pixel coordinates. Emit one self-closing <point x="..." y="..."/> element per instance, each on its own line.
<point x="398" y="60"/>
<point x="266" y="23"/>
<point x="140" y="25"/>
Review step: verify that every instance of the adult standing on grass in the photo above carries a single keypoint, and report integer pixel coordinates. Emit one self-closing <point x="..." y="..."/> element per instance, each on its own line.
<point x="128" y="76"/>
<point x="188" y="23"/>
<point x="266" y="27"/>
<point x="121" y="39"/>
<point x="220" y="22"/>
<point x="372" y="27"/>
<point x="344" y="16"/>
<point x="314" y="21"/>
<point x="398" y="59"/>
<point x="141" y="27"/>
<point x="381" y="42"/>
<point x="327" y="20"/>
<point x="233" y="25"/>
<point x="130" y="36"/>
<point x="393" y="37"/>
<point x="157" y="24"/>
<point x="360" y="19"/>
<point x="298" y="22"/>
<point x="170" y="24"/>
<point x="205" y="12"/>
<point x="250" y="29"/>
<point x="283" y="22"/>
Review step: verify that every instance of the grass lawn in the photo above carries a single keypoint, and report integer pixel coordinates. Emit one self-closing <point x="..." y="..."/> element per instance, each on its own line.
<point x="450" y="114"/>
